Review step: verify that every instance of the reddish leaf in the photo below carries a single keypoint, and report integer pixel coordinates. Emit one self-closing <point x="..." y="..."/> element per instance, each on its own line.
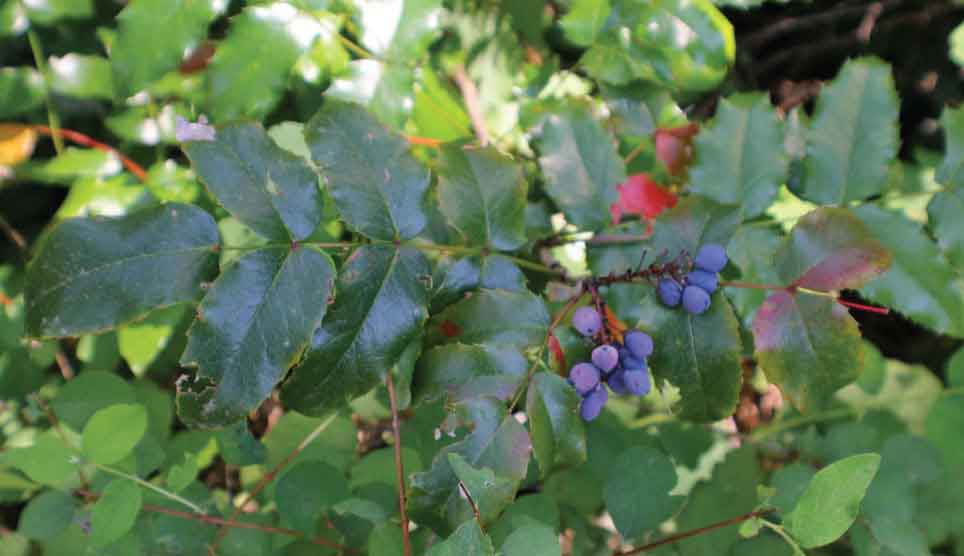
<point x="557" y="354"/>
<point x="641" y="195"/>
<point x="449" y="329"/>
<point x="831" y="249"/>
<point x="673" y="147"/>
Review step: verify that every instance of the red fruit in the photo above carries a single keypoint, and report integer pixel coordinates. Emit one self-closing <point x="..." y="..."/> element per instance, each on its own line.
<point x="641" y="195"/>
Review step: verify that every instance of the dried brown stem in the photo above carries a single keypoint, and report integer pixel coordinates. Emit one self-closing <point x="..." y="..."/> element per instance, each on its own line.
<point x="694" y="532"/>
<point x="471" y="96"/>
<point x="15" y="237"/>
<point x="399" y="468"/>
<point x="472" y="504"/>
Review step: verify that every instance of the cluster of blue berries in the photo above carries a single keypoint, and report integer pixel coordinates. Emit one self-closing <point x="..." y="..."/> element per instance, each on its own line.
<point x="694" y="292"/>
<point x="621" y="366"/>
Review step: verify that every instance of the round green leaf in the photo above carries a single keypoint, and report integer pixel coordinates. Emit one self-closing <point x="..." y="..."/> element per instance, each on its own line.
<point x="112" y="432"/>
<point x="115" y="512"/>
<point x="47" y="515"/>
<point x="637" y="492"/>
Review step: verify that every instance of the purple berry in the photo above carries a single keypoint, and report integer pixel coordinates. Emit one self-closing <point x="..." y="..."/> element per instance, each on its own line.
<point x="616" y="382"/>
<point x="593" y="403"/>
<point x="639" y="343"/>
<point x="708" y="281"/>
<point x="632" y="363"/>
<point x="587" y="321"/>
<point x="637" y="382"/>
<point x="711" y="258"/>
<point x="670" y="292"/>
<point x="584" y="377"/>
<point x="695" y="300"/>
<point x="605" y="357"/>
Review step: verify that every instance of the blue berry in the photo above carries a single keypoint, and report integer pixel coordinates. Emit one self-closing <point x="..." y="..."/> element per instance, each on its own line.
<point x="632" y="363"/>
<point x="711" y="257"/>
<point x="593" y="403"/>
<point x="707" y="281"/>
<point x="639" y="343"/>
<point x="584" y="377"/>
<point x="670" y="292"/>
<point x="605" y="357"/>
<point x="587" y="321"/>
<point x="616" y="382"/>
<point x="637" y="382"/>
<point x="695" y="300"/>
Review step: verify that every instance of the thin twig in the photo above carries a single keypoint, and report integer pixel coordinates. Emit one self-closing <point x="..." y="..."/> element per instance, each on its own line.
<point x="15" y="237"/>
<point x="271" y="475"/>
<point x="399" y="468"/>
<point x="471" y="96"/>
<point x="63" y="363"/>
<point x="472" y="504"/>
<point x="88" y="141"/>
<point x="210" y="519"/>
<point x="694" y="532"/>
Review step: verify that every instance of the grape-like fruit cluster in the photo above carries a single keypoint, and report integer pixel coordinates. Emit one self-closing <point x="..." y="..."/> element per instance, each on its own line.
<point x="621" y="366"/>
<point x="695" y="290"/>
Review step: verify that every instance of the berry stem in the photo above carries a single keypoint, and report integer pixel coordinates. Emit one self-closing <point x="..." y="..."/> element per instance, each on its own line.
<point x="750" y="285"/>
<point x="699" y="531"/>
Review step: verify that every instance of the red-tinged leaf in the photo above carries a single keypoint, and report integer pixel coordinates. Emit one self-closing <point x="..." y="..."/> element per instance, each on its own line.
<point x="808" y="345"/>
<point x="449" y="329"/>
<point x="674" y="147"/>
<point x="557" y="354"/>
<point x="831" y="249"/>
<point x="641" y="195"/>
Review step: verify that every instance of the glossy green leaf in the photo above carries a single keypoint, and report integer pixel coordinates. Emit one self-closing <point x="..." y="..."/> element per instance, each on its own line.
<point x="467" y="540"/>
<point x="853" y="137"/>
<point x="384" y="89"/>
<point x="491" y="493"/>
<point x="830" y="249"/>
<point x="809" y="346"/>
<point x="829" y="505"/>
<point x="495" y="317"/>
<point x="699" y="354"/>
<point x="112" y="433"/>
<point x="170" y="27"/>
<point x="790" y="481"/>
<point x="558" y="433"/>
<point x="752" y="250"/>
<point x="740" y="159"/>
<point x="248" y="73"/>
<point x="115" y="512"/>
<point x="254" y="323"/>
<point x="637" y="492"/>
<point x="376" y="184"/>
<point x="584" y="20"/>
<point x="91" y="275"/>
<point x="267" y="188"/>
<point x="482" y="193"/>
<point x="919" y="284"/>
<point x="21" y="90"/>
<point x="81" y="76"/>
<point x="399" y="29"/>
<point x="951" y="170"/>
<point x="379" y="308"/>
<point x="581" y="165"/>
<point x="943" y="214"/>
<point x="639" y="110"/>
<point x="140" y="343"/>
<point x="46" y="515"/>
<point x="462" y="371"/>
<point x="306" y="490"/>
<point x="472" y="273"/>
<point x="686" y="45"/>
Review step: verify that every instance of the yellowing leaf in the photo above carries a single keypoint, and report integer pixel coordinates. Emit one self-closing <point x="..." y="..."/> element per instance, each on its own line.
<point x="16" y="143"/>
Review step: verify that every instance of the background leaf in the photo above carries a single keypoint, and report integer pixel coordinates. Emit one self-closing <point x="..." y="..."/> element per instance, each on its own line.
<point x="115" y="512"/>
<point x="113" y="432"/>
<point x="558" y="434"/>
<point x="637" y="491"/>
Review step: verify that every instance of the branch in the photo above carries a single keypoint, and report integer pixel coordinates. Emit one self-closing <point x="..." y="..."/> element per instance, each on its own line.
<point x="693" y="532"/>
<point x="212" y="520"/>
<point x="399" y="468"/>
<point x="471" y="96"/>
<point x="87" y="141"/>
<point x="472" y="504"/>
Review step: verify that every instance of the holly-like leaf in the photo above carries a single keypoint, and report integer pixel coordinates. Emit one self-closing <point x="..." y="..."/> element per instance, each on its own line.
<point x="853" y="136"/>
<point x="468" y="539"/>
<point x="699" y="354"/>
<point x="490" y="492"/>
<point x="830" y="249"/>
<point x="252" y="326"/>
<point x="752" y="249"/>
<point x="642" y="196"/>
<point x="808" y="345"/>
<point x="581" y="165"/>
<point x="172" y="27"/>
<point x="465" y="371"/>
<point x="637" y="492"/>
<point x="829" y="505"/>
<point x="482" y="193"/>
<point x="740" y="159"/>
<point x="379" y="309"/>
<point x="944" y="215"/>
<point x="920" y="283"/>
<point x="558" y="432"/>
<point x="21" y="90"/>
<point x="495" y="317"/>
<point x="951" y="170"/>
<point x="694" y="222"/>
<point x="267" y="188"/>
<point x="115" y="512"/>
<point x="497" y="442"/>
<point x="93" y="274"/>
<point x="472" y="273"/>
<point x="250" y="68"/>
<point x="378" y="186"/>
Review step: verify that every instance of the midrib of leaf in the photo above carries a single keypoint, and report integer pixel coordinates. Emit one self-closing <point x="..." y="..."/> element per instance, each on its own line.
<point x="742" y="164"/>
<point x="849" y="162"/>
<point x="798" y="315"/>
<point x="696" y="366"/>
<point x="485" y="200"/>
<point x="103" y="266"/>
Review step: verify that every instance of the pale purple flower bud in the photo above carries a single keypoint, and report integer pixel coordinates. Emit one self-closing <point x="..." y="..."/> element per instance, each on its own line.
<point x="186" y="131"/>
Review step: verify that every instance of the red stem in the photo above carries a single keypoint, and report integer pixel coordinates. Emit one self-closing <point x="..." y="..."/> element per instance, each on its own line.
<point x="399" y="469"/>
<point x="87" y="141"/>
<point x="693" y="532"/>
<point x="862" y="307"/>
